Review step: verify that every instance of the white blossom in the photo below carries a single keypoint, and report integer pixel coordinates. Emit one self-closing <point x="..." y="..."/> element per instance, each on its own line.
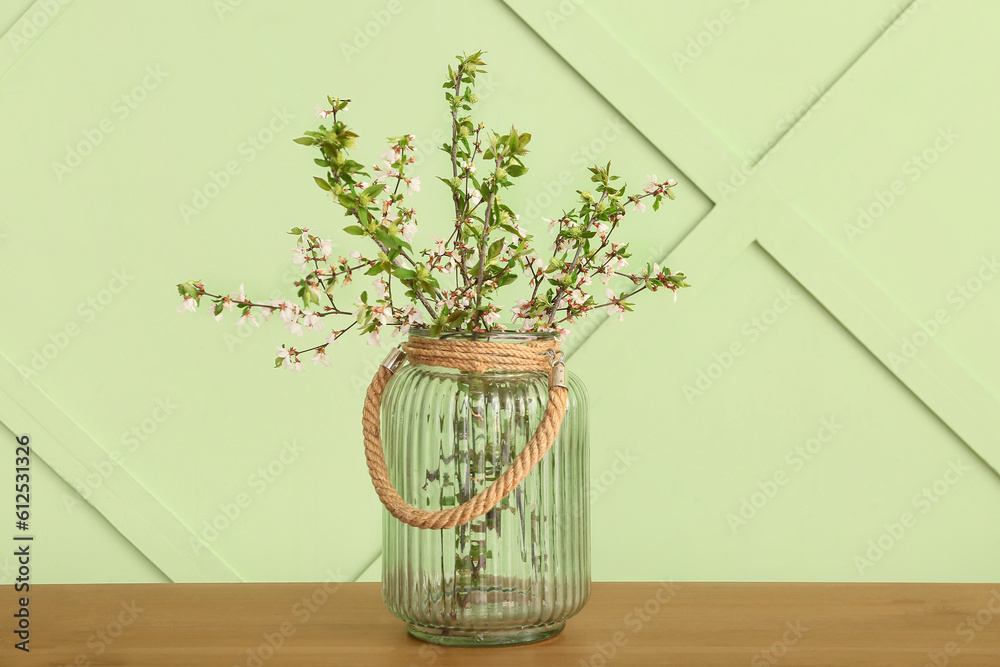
<point x="239" y="297"/>
<point x="412" y="185"/>
<point x="320" y="358"/>
<point x="615" y="307"/>
<point x="390" y="154"/>
<point x="188" y="305"/>
<point x="408" y="231"/>
<point x="248" y="317"/>
<point x="314" y="322"/>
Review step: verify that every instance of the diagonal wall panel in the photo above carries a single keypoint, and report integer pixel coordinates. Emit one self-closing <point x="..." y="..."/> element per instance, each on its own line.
<point x="763" y="230"/>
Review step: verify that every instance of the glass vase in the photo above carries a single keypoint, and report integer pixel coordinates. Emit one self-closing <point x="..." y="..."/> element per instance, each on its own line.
<point x="515" y="574"/>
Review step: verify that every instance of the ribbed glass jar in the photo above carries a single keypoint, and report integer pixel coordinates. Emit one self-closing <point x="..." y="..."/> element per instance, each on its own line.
<point x="517" y="573"/>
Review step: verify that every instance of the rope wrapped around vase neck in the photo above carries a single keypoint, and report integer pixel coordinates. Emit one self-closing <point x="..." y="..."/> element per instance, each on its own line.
<point x="475" y="357"/>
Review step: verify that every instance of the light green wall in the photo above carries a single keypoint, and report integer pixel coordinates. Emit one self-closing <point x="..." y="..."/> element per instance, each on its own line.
<point x="793" y="330"/>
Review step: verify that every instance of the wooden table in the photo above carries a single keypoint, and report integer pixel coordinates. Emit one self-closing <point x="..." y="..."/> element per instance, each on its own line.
<point x="302" y="624"/>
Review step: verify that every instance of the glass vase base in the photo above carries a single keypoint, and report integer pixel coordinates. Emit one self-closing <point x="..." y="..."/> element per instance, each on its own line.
<point x="472" y="637"/>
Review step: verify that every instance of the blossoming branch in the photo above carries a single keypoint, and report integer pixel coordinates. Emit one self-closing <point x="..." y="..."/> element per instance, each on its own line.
<point x="453" y="284"/>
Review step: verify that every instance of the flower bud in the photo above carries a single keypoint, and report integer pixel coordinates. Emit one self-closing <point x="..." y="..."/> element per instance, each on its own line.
<point x="500" y="173"/>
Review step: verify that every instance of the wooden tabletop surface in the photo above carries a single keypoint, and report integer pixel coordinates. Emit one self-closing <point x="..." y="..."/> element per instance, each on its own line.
<point x="652" y="623"/>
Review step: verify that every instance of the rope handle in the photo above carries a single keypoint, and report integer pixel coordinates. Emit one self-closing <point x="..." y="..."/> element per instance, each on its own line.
<point x="485" y="500"/>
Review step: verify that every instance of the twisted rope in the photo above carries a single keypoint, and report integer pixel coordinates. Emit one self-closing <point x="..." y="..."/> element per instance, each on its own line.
<point x="476" y="357"/>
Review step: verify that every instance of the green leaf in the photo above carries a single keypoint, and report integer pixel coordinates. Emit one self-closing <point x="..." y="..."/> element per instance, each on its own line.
<point x="494" y="250"/>
<point x="305" y="141"/>
<point x="295" y="231"/>
<point x="516" y="170"/>
<point x="321" y="182"/>
<point x="403" y="274"/>
<point x="278" y="361"/>
<point x="354" y="230"/>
